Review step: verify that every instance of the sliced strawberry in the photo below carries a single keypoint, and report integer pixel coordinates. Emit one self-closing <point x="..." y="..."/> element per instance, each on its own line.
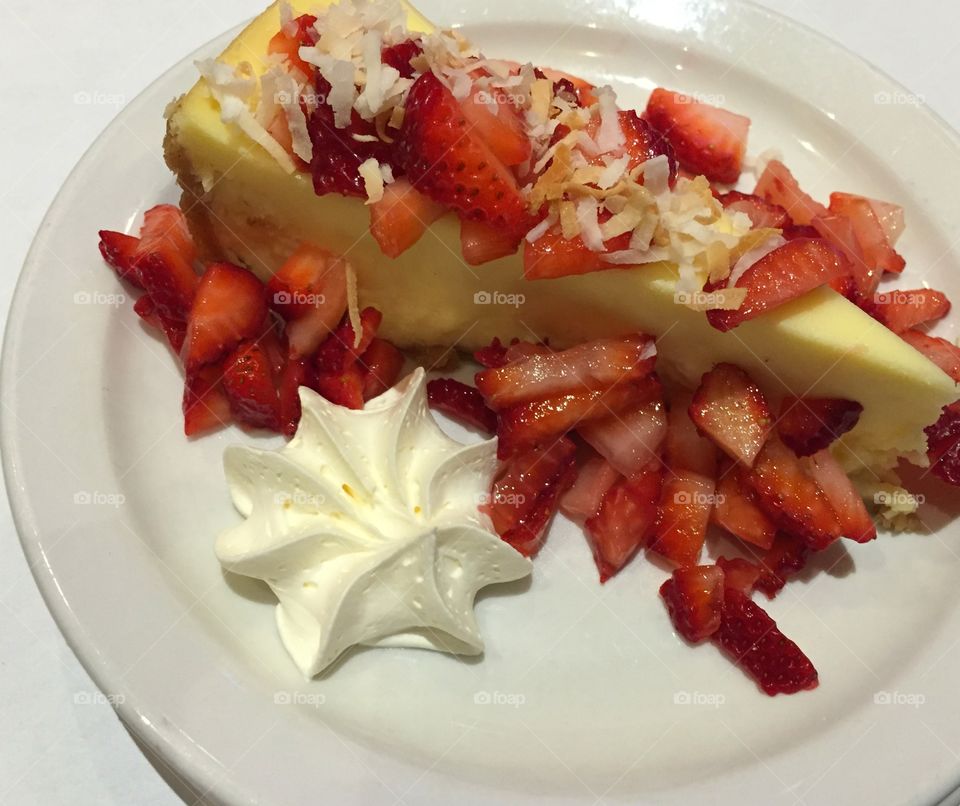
<point x="730" y="409"/>
<point x="249" y="385"/>
<point x="583" y="499"/>
<point x="205" y="404"/>
<point x="684" y="447"/>
<point x="810" y="424"/>
<point x="940" y="351"/>
<point x="761" y="212"/>
<point x="493" y="356"/>
<point x="706" y="139"/>
<point x="175" y="331"/>
<point x="869" y="230"/>
<point x="790" y="496"/>
<point x="641" y="141"/>
<point x="778" y="186"/>
<point x="165" y="258"/>
<point x="904" y="310"/>
<point x="685" y="504"/>
<point x="480" y="243"/>
<point x="589" y="366"/>
<point x="943" y="445"/>
<point x="783" y="275"/>
<point x="786" y="557"/>
<point x="339" y="374"/>
<point x="794" y="231"/>
<point x="891" y="219"/>
<point x="287" y="42"/>
<point x="625" y="520"/>
<point x="552" y="255"/>
<point x="120" y="252"/>
<point x="383" y="364"/>
<point x="582" y="89"/>
<point x="461" y="402"/>
<point x="453" y="165"/>
<point x="739" y="574"/>
<point x="310" y="292"/>
<point x="737" y="511"/>
<point x="401" y="217"/>
<point x="493" y="118"/>
<point x="694" y="599"/>
<point x="525" y="495"/>
<point x="398" y="56"/>
<point x="752" y="641"/>
<point x="297" y="372"/>
<point x="632" y="439"/>
<point x="855" y="522"/>
<point x="838" y="232"/>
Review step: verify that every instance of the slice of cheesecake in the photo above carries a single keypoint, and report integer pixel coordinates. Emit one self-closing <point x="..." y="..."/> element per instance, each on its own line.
<point x="246" y="205"/>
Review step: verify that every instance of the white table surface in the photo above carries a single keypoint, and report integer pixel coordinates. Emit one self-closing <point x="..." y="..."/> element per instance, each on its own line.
<point x="59" y="744"/>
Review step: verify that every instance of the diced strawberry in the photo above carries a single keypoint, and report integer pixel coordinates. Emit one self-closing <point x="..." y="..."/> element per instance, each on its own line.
<point x="398" y="56"/>
<point x="904" y="310"/>
<point x="382" y="363"/>
<point x="120" y="252"/>
<point x="752" y="641"/>
<point x="794" y="231"/>
<point x="685" y="504"/>
<point x="790" y="496"/>
<point x="891" y="219"/>
<point x="810" y="424"/>
<point x="943" y="445"/>
<point x="310" y="292"/>
<point x="401" y="217"/>
<point x="778" y="186"/>
<point x="786" y="556"/>
<point x="249" y="386"/>
<point x="869" y="230"/>
<point x="552" y="255"/>
<point x="729" y="408"/>
<point x="175" y="331"/>
<point x="838" y="232"/>
<point x="205" y="404"/>
<point x="582" y="89"/>
<point x="287" y="43"/>
<point x="783" y="275"/>
<point x="588" y="366"/>
<point x="684" y="447"/>
<point x="761" y="212"/>
<point x="625" y="520"/>
<point x="583" y="499"/>
<point x="641" y="141"/>
<point x="706" y="139"/>
<point x="297" y="372"/>
<point x="632" y="439"/>
<point x="165" y="258"/>
<point x="147" y="311"/>
<point x="940" y="351"/>
<point x="855" y="522"/>
<point x="525" y="495"/>
<point x="740" y="574"/>
<point x="453" y="165"/>
<point x="480" y="243"/>
<point x="339" y="374"/>
<point x="493" y="118"/>
<point x="737" y="511"/>
<point x="694" y="599"/>
<point x="463" y="403"/>
<point x="493" y="356"/>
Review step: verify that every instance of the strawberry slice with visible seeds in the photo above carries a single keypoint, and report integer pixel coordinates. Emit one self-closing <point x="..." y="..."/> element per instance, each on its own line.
<point x="694" y="598"/>
<point x="838" y="232"/>
<point x="401" y="217"/>
<point x="855" y="522"/>
<point x="230" y="307"/>
<point x="778" y="186"/>
<point x="810" y="424"/>
<point x="583" y="499"/>
<point x="737" y="511"/>
<point x="684" y="447"/>
<point x="686" y="501"/>
<point x="761" y="212"/>
<point x="552" y="255"/>
<point x="525" y="494"/>
<point x="175" y="331"/>
<point x="493" y="356"/>
<point x="706" y="139"/>
<point x="904" y="310"/>
<point x="739" y="574"/>
<point x="869" y="231"/>
<point x="625" y="520"/>
<point x="205" y="404"/>
<point x="786" y="273"/>
<point x="120" y="252"/>
<point x="165" y="258"/>
<point x="461" y="402"/>
<point x="786" y="557"/>
<point x="480" y="243"/>
<point x="383" y="363"/>
<point x="791" y="497"/>
<point x="941" y="352"/>
<point x="754" y="643"/>
<point x="249" y="385"/>
<point x="730" y="409"/>
<point x="632" y="439"/>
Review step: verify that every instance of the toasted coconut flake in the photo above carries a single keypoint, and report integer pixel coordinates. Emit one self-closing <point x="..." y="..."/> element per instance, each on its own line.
<point x="289" y="98"/>
<point x="613" y="172"/>
<point x="587" y="210"/>
<point x="541" y="94"/>
<point x="369" y="171"/>
<point x="542" y="228"/>
<point x="610" y="137"/>
<point x="656" y="175"/>
<point x="569" y="223"/>
<point x="353" y="305"/>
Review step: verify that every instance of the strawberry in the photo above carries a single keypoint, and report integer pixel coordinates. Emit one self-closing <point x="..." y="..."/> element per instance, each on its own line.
<point x="904" y="310"/>
<point x="383" y="364"/>
<point x="175" y="331"/>
<point x="287" y="43"/>
<point x="785" y="557"/>
<point x="641" y="141"/>
<point x="790" y="496"/>
<point x="684" y="447"/>
<point x="739" y="574"/>
<point x="461" y="402"/>
<point x="778" y="186"/>
<point x="737" y="511"/>
<point x="838" y="232"/>
<point x="453" y="165"/>
<point x="783" y="275"/>
<point x="398" y="56"/>
<point x="855" y="522"/>
<point x="869" y="230"/>
<point x="120" y="252"/>
<point x="685" y="504"/>
<point x="940" y="351"/>
<point x="480" y="243"/>
<point x="205" y="405"/>
<point x="496" y="121"/>
<point x="401" y="217"/>
<point x="583" y="499"/>
<point x="165" y="258"/>
<point x="631" y="439"/>
<point x="761" y="212"/>
<point x="793" y="231"/>
<point x="525" y="495"/>
<point x="731" y="410"/>
<point x="249" y="385"/>
<point x="581" y="89"/>
<point x="810" y="424"/>
<point x="230" y="307"/>
<point x="339" y="375"/>
<point x="310" y="292"/>
<point x="493" y="356"/>
<point x="625" y="520"/>
<point x="943" y="445"/>
<point x="552" y="255"/>
<point x="706" y="139"/>
<point x="296" y="373"/>
<point x="694" y="599"/>
<point x="891" y="220"/>
<point x="754" y="643"/>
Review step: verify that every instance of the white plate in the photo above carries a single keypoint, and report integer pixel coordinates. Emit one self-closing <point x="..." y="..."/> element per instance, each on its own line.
<point x="584" y="693"/>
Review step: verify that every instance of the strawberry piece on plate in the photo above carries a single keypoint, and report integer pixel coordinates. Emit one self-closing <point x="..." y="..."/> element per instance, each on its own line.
<point x="401" y="217"/>
<point x="869" y="230"/>
<point x="480" y="243"/>
<point x="165" y="258"/>
<point x="943" y="441"/>
<point x="250" y="387"/>
<point x="737" y="511"/>
<point x="904" y="310"/>
<point x="838" y="231"/>
<point x="761" y="212"/>
<point x="491" y="115"/>
<point x="205" y="404"/>
<point x="810" y="424"/>
<point x="694" y="599"/>
<point x="686" y="500"/>
<point x="753" y="642"/>
<point x="625" y="520"/>
<point x="785" y="557"/>
<point x="383" y="363"/>
<point x="339" y="373"/>
<point x="783" y="275"/>
<point x="296" y="373"/>
<point x="941" y="352"/>
<point x="778" y="186"/>
<point x="684" y="447"/>
<point x="583" y="499"/>
<point x="706" y="139"/>
<point x="120" y="252"/>
<point x="631" y="439"/>
<point x="174" y="330"/>
<point x="462" y="402"/>
<point x="731" y="410"/>
<point x="855" y="522"/>
<point x="739" y="573"/>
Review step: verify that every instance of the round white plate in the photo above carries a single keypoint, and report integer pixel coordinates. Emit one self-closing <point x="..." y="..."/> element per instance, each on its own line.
<point x="584" y="693"/>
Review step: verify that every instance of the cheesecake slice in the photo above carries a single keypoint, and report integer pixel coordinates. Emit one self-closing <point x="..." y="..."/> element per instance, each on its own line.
<point x="248" y="205"/>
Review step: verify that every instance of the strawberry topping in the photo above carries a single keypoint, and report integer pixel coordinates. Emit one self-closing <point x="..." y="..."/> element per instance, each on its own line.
<point x="462" y="402"/>
<point x="810" y="424"/>
<point x="250" y="387"/>
<point x="760" y="211"/>
<point x="120" y="252"/>
<point x="694" y="597"/>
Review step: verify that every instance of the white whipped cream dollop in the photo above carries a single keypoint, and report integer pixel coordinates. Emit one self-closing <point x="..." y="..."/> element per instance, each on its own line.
<point x="366" y="528"/>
